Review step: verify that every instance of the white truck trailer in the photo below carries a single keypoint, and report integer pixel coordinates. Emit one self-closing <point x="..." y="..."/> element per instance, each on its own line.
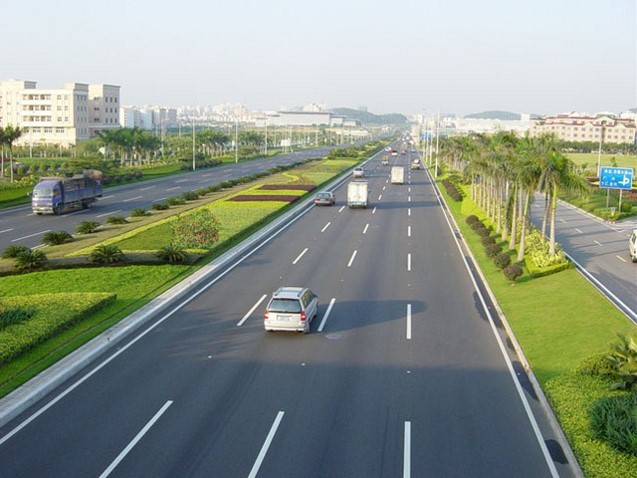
<point x="397" y="175"/>
<point x="357" y="193"/>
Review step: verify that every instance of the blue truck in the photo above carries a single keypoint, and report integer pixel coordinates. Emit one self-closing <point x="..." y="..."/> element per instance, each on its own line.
<point x="54" y="195"/>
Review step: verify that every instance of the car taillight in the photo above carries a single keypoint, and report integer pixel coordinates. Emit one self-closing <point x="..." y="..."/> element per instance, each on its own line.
<point x="266" y="315"/>
<point x="303" y="317"/>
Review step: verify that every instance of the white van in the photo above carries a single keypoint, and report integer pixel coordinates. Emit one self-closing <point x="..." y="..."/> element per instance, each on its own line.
<point x="632" y="246"/>
<point x="291" y="308"/>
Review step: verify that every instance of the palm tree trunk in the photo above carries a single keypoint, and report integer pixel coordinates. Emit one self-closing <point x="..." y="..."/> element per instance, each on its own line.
<point x="523" y="221"/>
<point x="552" y="219"/>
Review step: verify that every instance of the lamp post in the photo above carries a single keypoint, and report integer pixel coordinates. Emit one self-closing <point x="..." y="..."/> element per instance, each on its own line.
<point x="193" y="145"/>
<point x="599" y="151"/>
<point x="266" y="135"/>
<point x="236" y="140"/>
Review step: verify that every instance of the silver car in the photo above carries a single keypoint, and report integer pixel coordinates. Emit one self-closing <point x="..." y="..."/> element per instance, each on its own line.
<point x="358" y="173"/>
<point x="291" y="308"/>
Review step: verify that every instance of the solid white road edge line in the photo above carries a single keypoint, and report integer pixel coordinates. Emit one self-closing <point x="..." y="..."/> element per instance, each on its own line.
<point x="299" y="256"/>
<point x="408" y="321"/>
<point x="407" y="451"/>
<point x="326" y="226"/>
<point x="254" y="307"/>
<point x="266" y="445"/>
<point x="138" y="437"/>
<point x="516" y="382"/>
<point x="351" y="260"/>
<point x="326" y="315"/>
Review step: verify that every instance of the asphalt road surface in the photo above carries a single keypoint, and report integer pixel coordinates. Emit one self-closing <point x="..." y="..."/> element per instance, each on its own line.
<point x="403" y="374"/>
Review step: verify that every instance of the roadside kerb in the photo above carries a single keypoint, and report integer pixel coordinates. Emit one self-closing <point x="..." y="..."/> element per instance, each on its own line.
<point x="26" y="395"/>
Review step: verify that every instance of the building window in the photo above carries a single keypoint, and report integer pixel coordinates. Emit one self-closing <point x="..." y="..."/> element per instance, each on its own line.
<point x="48" y="130"/>
<point x="59" y="130"/>
<point x="59" y="118"/>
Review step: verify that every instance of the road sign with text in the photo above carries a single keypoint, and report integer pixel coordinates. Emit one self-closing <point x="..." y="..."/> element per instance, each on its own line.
<point x="616" y="178"/>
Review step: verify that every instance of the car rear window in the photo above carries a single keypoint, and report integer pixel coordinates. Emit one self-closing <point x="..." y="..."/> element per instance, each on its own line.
<point x="285" y="305"/>
<point x="323" y="195"/>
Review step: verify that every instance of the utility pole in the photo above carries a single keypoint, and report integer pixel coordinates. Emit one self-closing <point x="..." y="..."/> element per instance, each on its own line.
<point x="194" y="165"/>
<point x="236" y="140"/>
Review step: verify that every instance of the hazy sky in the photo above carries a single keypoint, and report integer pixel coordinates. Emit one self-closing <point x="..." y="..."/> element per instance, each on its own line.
<point x="407" y="56"/>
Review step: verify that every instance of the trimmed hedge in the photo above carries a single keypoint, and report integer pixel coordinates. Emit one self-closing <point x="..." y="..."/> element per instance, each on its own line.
<point x="53" y="313"/>
<point x="572" y="396"/>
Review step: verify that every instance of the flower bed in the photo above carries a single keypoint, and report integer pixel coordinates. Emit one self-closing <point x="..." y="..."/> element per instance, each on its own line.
<point x="287" y="187"/>
<point x="264" y="197"/>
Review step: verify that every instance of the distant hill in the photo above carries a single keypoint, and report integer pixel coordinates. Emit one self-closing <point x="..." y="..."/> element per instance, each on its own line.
<point x="365" y="117"/>
<point x="501" y="115"/>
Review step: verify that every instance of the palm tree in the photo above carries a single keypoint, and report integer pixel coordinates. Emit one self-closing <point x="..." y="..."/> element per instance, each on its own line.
<point x="11" y="134"/>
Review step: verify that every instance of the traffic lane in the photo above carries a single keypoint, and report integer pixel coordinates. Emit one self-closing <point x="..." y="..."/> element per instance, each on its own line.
<point x="22" y="227"/>
<point x="600" y="250"/>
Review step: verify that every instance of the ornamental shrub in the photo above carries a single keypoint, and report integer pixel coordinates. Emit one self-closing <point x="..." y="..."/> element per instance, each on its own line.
<point x="56" y="237"/>
<point x="12" y="252"/>
<point x="159" y="207"/>
<point x="483" y="232"/>
<point x="472" y="219"/>
<point x="195" y="230"/>
<point x="512" y="272"/>
<point x="190" y="196"/>
<point x="14" y="315"/>
<point x="502" y="260"/>
<point x="139" y="212"/>
<point x="175" y="201"/>
<point x="614" y="420"/>
<point x="486" y="240"/>
<point x="116" y="220"/>
<point x="106" y="254"/>
<point x="493" y="250"/>
<point x="623" y="362"/>
<point x="87" y="227"/>
<point x="30" y="260"/>
<point x="172" y="253"/>
<point x="626" y="206"/>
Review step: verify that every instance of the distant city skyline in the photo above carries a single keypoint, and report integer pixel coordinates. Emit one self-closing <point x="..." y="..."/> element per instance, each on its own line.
<point x="409" y="57"/>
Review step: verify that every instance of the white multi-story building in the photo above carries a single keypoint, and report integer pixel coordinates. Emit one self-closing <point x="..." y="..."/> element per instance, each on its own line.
<point x="579" y="127"/>
<point x="63" y="116"/>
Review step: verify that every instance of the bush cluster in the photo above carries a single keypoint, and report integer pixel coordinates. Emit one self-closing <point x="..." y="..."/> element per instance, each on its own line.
<point x="105" y="254"/>
<point x="116" y="220"/>
<point x="139" y="212"/>
<point x="56" y="237"/>
<point x="87" y="227"/>
<point x="452" y="190"/>
<point x="12" y="252"/>
<point x="512" y="272"/>
<point x="159" y="207"/>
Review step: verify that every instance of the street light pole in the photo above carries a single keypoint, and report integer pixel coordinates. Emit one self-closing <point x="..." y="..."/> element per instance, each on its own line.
<point x="193" y="146"/>
<point x="266" y="135"/>
<point x="599" y="152"/>
<point x="236" y="140"/>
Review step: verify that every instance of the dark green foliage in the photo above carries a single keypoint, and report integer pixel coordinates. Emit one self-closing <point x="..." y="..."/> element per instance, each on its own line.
<point x="12" y="252"/>
<point x="106" y="254"/>
<point x="15" y="315"/>
<point x="116" y="220"/>
<point x="512" y="272"/>
<point x="452" y="190"/>
<point x="139" y="212"/>
<point x="492" y="250"/>
<point x="87" y="227"/>
<point x="487" y="240"/>
<point x="623" y="361"/>
<point x="172" y="253"/>
<point x="190" y="196"/>
<point x="175" y="201"/>
<point x="56" y="237"/>
<point x="30" y="261"/>
<point x="626" y="206"/>
<point x="160" y="207"/>
<point x="614" y="420"/>
<point x="502" y="260"/>
<point x="472" y="219"/>
<point x="483" y="231"/>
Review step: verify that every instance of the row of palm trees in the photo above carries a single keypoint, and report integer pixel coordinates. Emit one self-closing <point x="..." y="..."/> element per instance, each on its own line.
<point x="506" y="171"/>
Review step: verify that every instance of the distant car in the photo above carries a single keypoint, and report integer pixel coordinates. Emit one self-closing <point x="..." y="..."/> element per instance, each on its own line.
<point x="415" y="164"/>
<point x="384" y="161"/>
<point x="358" y="173"/>
<point x="324" y="198"/>
<point x="632" y="246"/>
<point x="291" y="309"/>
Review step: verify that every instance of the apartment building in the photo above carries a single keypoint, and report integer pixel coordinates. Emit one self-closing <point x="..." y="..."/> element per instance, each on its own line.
<point x="576" y="127"/>
<point x="62" y="116"/>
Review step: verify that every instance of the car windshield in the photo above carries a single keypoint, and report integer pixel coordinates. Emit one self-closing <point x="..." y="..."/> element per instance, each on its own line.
<point x="323" y="195"/>
<point x="285" y="305"/>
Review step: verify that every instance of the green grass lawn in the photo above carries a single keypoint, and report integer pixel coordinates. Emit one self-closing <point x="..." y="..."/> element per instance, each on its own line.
<point x="590" y="160"/>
